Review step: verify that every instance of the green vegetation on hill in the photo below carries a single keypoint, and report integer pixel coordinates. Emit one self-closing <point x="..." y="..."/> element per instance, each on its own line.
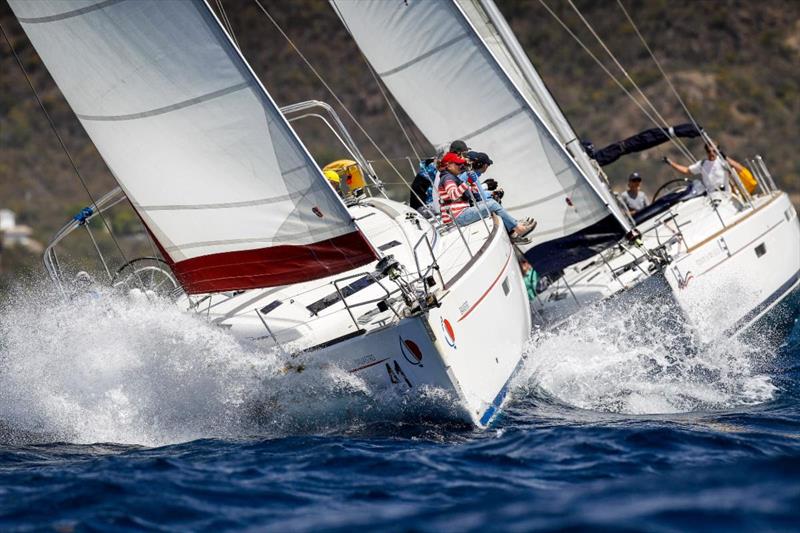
<point x="736" y="63"/>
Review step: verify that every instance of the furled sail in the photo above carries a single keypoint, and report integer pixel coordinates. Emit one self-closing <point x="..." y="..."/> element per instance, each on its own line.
<point x="199" y="147"/>
<point x="643" y="140"/>
<point x="452" y="86"/>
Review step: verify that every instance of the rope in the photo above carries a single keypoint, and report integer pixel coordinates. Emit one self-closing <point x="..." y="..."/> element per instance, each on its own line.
<point x="658" y="64"/>
<point x="602" y="66"/>
<point x="330" y="90"/>
<point x="64" y="148"/>
<point x="227" y="23"/>
<point x="647" y="101"/>
<point x="379" y="84"/>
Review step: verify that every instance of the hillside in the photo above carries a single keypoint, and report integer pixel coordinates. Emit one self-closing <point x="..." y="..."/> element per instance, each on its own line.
<point x="737" y="64"/>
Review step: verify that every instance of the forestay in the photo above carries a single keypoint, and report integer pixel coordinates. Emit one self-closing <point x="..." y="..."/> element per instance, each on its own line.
<point x="199" y="147"/>
<point x="452" y="87"/>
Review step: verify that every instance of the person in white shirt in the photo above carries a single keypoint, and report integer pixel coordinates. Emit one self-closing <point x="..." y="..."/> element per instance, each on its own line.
<point x="634" y="199"/>
<point x="711" y="169"/>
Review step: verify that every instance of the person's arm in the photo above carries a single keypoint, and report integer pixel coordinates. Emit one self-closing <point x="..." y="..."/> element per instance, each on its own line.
<point x="738" y="167"/>
<point x="680" y="168"/>
<point x="453" y="192"/>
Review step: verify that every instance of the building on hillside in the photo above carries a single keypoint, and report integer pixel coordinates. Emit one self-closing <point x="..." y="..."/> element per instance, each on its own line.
<point x="14" y="235"/>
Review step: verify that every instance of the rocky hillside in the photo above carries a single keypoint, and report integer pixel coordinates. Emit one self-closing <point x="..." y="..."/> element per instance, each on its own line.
<point x="736" y="63"/>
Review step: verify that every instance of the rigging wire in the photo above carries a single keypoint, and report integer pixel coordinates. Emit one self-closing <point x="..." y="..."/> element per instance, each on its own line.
<point x="332" y="93"/>
<point x="622" y="69"/>
<point x="227" y="23"/>
<point x="64" y="148"/>
<point x="658" y="64"/>
<point x="379" y="84"/>
<point x="605" y="69"/>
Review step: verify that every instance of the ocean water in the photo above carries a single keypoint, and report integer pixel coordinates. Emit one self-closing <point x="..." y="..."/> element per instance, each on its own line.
<point x="128" y="415"/>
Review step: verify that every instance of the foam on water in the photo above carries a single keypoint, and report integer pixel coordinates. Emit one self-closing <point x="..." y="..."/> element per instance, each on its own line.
<point x="638" y="358"/>
<point x="103" y="367"/>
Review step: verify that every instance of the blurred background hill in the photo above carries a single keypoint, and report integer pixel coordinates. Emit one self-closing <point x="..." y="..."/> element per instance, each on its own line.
<point x="736" y="64"/>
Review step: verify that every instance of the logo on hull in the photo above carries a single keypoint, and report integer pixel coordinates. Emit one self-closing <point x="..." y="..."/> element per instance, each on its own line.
<point x="411" y="351"/>
<point x="449" y="334"/>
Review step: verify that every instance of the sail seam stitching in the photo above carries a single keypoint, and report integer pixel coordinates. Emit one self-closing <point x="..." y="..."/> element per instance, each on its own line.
<point x="315" y="235"/>
<point x="493" y="124"/>
<point x="166" y="109"/>
<point x="68" y="14"/>
<point x="226" y="205"/>
<point x="426" y="55"/>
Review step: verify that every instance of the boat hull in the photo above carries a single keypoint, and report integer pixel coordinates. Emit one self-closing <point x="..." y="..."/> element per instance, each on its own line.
<point x="467" y="348"/>
<point x="736" y="275"/>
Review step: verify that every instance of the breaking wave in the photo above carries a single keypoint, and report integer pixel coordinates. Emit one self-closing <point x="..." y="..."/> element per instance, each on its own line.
<point x="102" y="367"/>
<point x="638" y="357"/>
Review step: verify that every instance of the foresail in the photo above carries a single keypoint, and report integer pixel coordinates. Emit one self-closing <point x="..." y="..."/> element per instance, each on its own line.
<point x="207" y="160"/>
<point x="452" y="87"/>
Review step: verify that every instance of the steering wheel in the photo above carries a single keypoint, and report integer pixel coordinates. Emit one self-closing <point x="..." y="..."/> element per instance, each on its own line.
<point x="685" y="181"/>
<point x="147" y="273"/>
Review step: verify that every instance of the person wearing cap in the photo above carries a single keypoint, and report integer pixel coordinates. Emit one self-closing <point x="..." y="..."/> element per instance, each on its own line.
<point x="459" y="148"/>
<point x="480" y="163"/>
<point x="634" y="199"/>
<point x="456" y="209"/>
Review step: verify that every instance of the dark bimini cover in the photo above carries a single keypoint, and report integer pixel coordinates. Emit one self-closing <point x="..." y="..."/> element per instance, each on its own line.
<point x="551" y="257"/>
<point x="642" y="141"/>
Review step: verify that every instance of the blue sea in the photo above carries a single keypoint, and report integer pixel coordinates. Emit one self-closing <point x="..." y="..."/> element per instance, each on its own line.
<point x="121" y="415"/>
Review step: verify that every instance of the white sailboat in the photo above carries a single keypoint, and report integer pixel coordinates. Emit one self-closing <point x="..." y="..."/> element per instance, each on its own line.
<point x="252" y="232"/>
<point x="727" y="259"/>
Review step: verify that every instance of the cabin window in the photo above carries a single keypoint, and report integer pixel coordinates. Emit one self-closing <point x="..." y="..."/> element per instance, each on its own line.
<point x="761" y="249"/>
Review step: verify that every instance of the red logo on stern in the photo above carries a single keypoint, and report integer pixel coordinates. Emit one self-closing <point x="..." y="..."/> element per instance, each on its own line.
<point x="411" y="351"/>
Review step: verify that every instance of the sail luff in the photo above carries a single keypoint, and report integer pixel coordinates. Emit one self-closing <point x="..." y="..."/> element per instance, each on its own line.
<point x="547" y="107"/>
<point x="196" y="142"/>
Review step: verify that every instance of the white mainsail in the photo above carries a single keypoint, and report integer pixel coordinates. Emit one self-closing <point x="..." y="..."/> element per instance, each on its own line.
<point x="453" y="87"/>
<point x="199" y="147"/>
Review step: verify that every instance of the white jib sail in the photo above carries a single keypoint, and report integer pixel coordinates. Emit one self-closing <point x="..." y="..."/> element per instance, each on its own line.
<point x="493" y="28"/>
<point x="452" y="87"/>
<point x="199" y="147"/>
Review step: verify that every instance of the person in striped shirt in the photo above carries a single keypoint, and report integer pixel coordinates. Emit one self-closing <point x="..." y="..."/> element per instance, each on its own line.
<point x="455" y="200"/>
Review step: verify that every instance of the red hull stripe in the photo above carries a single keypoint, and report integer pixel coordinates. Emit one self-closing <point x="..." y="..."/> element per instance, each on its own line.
<point x="273" y="266"/>
<point x="465" y="315"/>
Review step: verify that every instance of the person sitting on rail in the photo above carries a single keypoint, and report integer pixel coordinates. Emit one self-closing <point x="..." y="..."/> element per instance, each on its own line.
<point x="456" y="208"/>
<point x="421" y="196"/>
<point x="480" y="163"/>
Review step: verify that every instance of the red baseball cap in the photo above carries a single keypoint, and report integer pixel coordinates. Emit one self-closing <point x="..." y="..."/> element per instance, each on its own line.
<point x="450" y="157"/>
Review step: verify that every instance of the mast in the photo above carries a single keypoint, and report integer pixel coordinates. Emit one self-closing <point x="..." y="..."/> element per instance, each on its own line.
<point x="548" y="107"/>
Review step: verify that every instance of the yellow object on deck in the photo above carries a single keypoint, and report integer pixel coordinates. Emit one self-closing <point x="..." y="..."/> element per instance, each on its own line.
<point x="332" y="175"/>
<point x="354" y="177"/>
<point x="750" y="183"/>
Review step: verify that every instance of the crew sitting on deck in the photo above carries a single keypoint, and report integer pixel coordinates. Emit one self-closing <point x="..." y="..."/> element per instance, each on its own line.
<point x="421" y="196"/>
<point x="480" y="163"/>
<point x="454" y="197"/>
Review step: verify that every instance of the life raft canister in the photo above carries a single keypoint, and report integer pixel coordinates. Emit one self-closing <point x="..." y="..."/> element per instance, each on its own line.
<point x="349" y="169"/>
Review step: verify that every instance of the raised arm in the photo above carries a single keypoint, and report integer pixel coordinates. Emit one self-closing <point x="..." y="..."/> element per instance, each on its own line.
<point x="738" y="167"/>
<point x="680" y="168"/>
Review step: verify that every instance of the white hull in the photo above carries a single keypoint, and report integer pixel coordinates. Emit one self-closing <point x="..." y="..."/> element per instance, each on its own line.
<point x="468" y="344"/>
<point x="725" y="268"/>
